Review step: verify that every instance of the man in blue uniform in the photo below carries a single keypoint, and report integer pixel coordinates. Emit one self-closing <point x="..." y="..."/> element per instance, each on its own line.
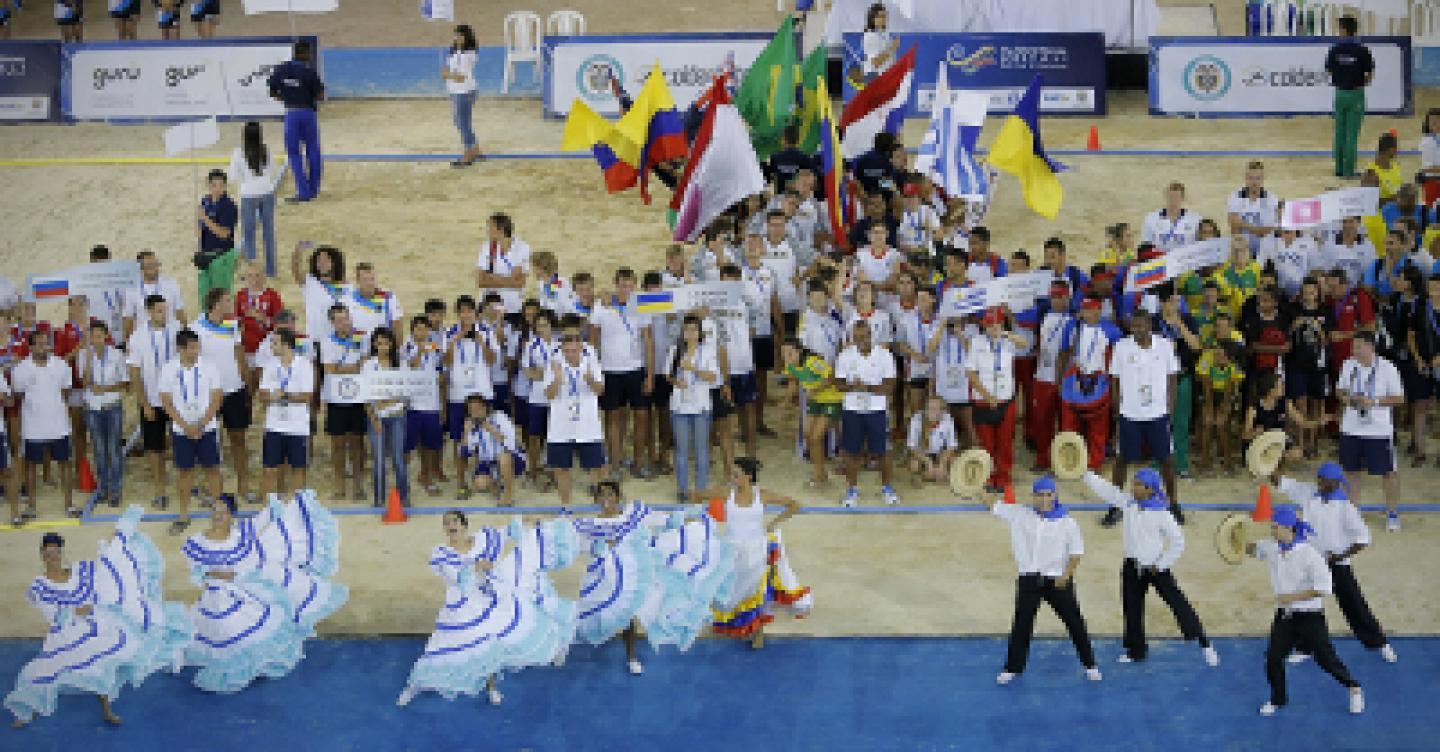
<point x="298" y="85"/>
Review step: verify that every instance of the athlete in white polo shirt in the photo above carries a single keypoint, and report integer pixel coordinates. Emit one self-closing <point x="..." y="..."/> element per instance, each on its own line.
<point x="866" y="374"/>
<point x="573" y="384"/>
<point x="191" y="394"/>
<point x="1370" y="388"/>
<point x="221" y="348"/>
<point x="504" y="263"/>
<point x="151" y="283"/>
<point x="286" y="383"/>
<point x="1173" y="226"/>
<point x="42" y="380"/>
<point x="150" y="347"/>
<point x="1253" y="211"/>
<point x="627" y="356"/>
<point x="1144" y="370"/>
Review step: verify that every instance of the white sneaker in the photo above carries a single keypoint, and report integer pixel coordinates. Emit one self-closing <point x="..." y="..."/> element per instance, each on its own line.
<point x="560" y="660"/>
<point x="1212" y="658"/>
<point x="1357" y="702"/>
<point x="1297" y="658"/>
<point x="1124" y="658"/>
<point x="1268" y="709"/>
<point x="1093" y="674"/>
<point x="494" y="695"/>
<point x="1392" y="522"/>
<point x="405" y="697"/>
<point x="1388" y="653"/>
<point x="1005" y="677"/>
<point x="635" y="668"/>
<point x="852" y="497"/>
<point x="889" y="496"/>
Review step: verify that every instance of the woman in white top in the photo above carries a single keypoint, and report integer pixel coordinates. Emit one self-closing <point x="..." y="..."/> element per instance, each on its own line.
<point x="1429" y="176"/>
<point x="387" y="421"/>
<point x="877" y="44"/>
<point x="459" y="76"/>
<point x="693" y="369"/>
<point x="255" y="176"/>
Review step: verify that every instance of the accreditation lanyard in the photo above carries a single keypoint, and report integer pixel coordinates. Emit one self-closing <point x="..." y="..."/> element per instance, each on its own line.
<point x="1095" y="340"/>
<point x="285" y="379"/>
<point x="1369" y="391"/>
<point x="923" y="329"/>
<point x="956" y="355"/>
<point x="97" y="370"/>
<point x="185" y="397"/>
<point x="474" y="348"/>
<point x="572" y="377"/>
<point x="155" y="347"/>
<point x="620" y="309"/>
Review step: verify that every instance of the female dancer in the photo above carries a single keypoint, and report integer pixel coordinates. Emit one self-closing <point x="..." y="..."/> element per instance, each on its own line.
<point x="264" y="589"/>
<point x="500" y="613"/>
<point x="108" y="624"/>
<point x="627" y="584"/>
<point x="762" y="576"/>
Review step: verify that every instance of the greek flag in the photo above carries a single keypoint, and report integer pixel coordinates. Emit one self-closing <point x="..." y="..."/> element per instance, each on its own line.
<point x="947" y="152"/>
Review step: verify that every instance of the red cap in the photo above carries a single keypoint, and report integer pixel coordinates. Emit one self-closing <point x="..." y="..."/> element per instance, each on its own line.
<point x="1090" y="304"/>
<point x="911" y="189"/>
<point x="1106" y="275"/>
<point x="1151" y="253"/>
<point x="994" y="315"/>
<point x="1059" y="288"/>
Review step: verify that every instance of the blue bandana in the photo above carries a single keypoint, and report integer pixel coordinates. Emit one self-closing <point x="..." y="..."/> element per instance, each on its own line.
<point x="1151" y="480"/>
<point x="1332" y="471"/>
<point x="1047" y="483"/>
<point x="1286" y="516"/>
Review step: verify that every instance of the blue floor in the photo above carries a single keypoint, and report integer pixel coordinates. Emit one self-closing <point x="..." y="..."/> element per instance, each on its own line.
<point x="796" y="694"/>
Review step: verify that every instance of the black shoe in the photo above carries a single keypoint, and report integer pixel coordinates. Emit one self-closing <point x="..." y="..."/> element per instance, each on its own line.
<point x="1179" y="515"/>
<point x="1111" y="517"/>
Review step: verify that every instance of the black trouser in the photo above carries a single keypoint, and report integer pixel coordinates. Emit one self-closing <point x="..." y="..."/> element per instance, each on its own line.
<point x="1134" y="584"/>
<point x="1307" y="630"/>
<point x="1352" y="603"/>
<point x="1030" y="589"/>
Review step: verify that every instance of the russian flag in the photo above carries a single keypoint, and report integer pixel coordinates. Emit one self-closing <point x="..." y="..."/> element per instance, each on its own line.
<point x="50" y="288"/>
<point x="869" y="112"/>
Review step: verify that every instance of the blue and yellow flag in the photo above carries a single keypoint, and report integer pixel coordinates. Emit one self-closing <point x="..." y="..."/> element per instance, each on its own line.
<point x="655" y="302"/>
<point x="1018" y="151"/>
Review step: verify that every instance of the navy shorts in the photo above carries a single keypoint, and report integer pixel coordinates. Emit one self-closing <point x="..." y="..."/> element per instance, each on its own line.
<point x="1141" y="439"/>
<point x="422" y="430"/>
<point x="522" y="413"/>
<point x="561" y="456"/>
<point x="625" y="390"/>
<point x="864" y="432"/>
<point x="346" y="420"/>
<point x="763" y="349"/>
<point x="501" y="400"/>
<point x="455" y="420"/>
<point x="660" y="392"/>
<point x="720" y="408"/>
<point x="59" y="450"/>
<point x="235" y="410"/>
<point x="743" y="390"/>
<point x="492" y="469"/>
<point x="1373" y="454"/>
<point x="537" y="418"/>
<point x="4" y="452"/>
<point x="278" y="449"/>
<point x="1418" y="386"/>
<point x="204" y="451"/>
<point x="1300" y="384"/>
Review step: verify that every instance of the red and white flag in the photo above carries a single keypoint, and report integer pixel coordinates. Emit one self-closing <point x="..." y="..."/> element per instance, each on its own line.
<point x="722" y="168"/>
<point x="869" y="112"/>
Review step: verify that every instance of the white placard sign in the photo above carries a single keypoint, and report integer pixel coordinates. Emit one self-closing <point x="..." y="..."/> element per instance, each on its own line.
<point x="581" y="67"/>
<point x="1020" y="291"/>
<point x="90" y="280"/>
<point x="437" y="10"/>
<point x="398" y="384"/>
<point x="710" y="295"/>
<point x="1183" y="259"/>
<point x="185" y="137"/>
<point x="253" y="7"/>
<point x="1329" y="207"/>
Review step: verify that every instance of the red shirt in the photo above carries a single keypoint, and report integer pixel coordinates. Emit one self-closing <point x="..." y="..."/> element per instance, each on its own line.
<point x="257" y="316"/>
<point x="70" y="339"/>
<point x="1348" y="314"/>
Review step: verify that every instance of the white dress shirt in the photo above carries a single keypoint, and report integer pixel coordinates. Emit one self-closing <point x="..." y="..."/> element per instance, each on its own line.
<point x="1297" y="570"/>
<point x="1152" y="536"/>
<point x="1338" y="524"/>
<point x="1040" y="546"/>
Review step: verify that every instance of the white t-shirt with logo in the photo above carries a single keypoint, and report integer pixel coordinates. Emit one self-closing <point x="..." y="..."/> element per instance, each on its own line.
<point x="869" y="369"/>
<point x="334" y="352"/>
<point x="367" y="315"/>
<point x="190" y="391"/>
<point x="691" y="395"/>
<point x="43" y="415"/>
<point x="292" y="418"/>
<point x="575" y="412"/>
<point x="1263" y="210"/>
<point x="952" y="380"/>
<point x="430" y="361"/>
<point x="318" y="300"/>
<point x="149" y="350"/>
<point x="622" y="339"/>
<point x="1169" y="233"/>
<point x="1379" y="379"/>
<point x="912" y="329"/>
<point x="780" y="259"/>
<point x="1144" y="374"/>
<point x="537" y="354"/>
<point x="993" y="362"/>
<point x="217" y="348"/>
<point x="165" y="287"/>
<point x="469" y="373"/>
<point x="504" y="264"/>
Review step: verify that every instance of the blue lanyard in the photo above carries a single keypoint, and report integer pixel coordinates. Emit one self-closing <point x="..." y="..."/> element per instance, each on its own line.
<point x="155" y="347"/>
<point x="285" y="380"/>
<point x="998" y="346"/>
<point x="959" y="350"/>
<point x="1057" y="331"/>
<point x="460" y="350"/>
<point x="538" y="345"/>
<point x="620" y="309"/>
<point x="185" y="393"/>
<point x="1370" y="387"/>
<point x="97" y="372"/>
<point x="1099" y="334"/>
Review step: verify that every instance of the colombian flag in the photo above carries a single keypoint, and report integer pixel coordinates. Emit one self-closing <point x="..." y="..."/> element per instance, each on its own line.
<point x="831" y="166"/>
<point x="585" y="129"/>
<point x="1018" y="151"/>
<point x="1147" y="274"/>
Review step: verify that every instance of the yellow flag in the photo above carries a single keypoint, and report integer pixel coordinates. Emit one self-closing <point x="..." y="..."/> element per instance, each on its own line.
<point x="633" y="129"/>
<point x="584" y="128"/>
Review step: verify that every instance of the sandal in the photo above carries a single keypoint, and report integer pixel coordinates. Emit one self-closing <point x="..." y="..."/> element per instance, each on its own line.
<point x="75" y="512"/>
<point x="462" y="494"/>
<point x="1419" y="460"/>
<point x="178" y="526"/>
<point x="18" y="521"/>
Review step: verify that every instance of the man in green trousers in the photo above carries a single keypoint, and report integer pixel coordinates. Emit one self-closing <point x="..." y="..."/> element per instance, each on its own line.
<point x="1351" y="68"/>
<point x="216" y="227"/>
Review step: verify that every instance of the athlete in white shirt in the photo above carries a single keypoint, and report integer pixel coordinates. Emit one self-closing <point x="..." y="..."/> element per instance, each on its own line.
<point x="627" y="356"/>
<point x="341" y="354"/>
<point x="101" y="368"/>
<point x="221" y="348"/>
<point x="932" y="442"/>
<point x="42" y="380"/>
<point x="191" y="395"/>
<point x="150" y="347"/>
<point x="286" y="384"/>
<point x="371" y="307"/>
<point x="504" y="263"/>
<point x="1045" y="541"/>
<point x="866" y="374"/>
<point x="151" y="283"/>
<point x="1143" y="373"/>
<point x="1173" y="226"/>
<point x="573" y="385"/>
<point x="1370" y="388"/>
<point x="1253" y="211"/>
<point x="991" y="368"/>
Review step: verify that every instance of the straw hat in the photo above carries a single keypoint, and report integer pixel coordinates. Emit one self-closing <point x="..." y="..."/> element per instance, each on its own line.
<point x="1265" y="452"/>
<point x="1232" y="536"/>
<point x="970" y="471"/>
<point x="1069" y="457"/>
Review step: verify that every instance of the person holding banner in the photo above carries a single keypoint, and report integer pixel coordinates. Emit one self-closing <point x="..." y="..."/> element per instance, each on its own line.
<point x="388" y="423"/>
<point x="101" y="369"/>
<point x="286" y="384"/>
<point x="991" y="367"/>
<point x="1351" y="69"/>
<point x="459" y="77"/>
<point x="296" y="84"/>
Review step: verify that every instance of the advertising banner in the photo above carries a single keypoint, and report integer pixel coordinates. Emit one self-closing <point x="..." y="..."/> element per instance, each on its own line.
<point x="1001" y="65"/>
<point x="583" y="66"/>
<point x="174" y="80"/>
<point x="29" y="80"/>
<point x="1252" y="77"/>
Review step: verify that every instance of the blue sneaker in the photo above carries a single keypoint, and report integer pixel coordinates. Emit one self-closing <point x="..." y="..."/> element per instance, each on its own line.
<point x="852" y="497"/>
<point x="888" y="494"/>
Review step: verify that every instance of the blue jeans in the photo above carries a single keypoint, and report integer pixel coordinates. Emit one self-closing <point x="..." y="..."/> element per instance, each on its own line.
<point x="302" y="127"/>
<point x="692" y="433"/>
<point x="389" y="442"/>
<point x="463" y="107"/>
<point x="105" y="427"/>
<point x="262" y="208"/>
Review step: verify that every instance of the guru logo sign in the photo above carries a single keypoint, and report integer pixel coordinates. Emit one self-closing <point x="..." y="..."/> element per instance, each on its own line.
<point x="1207" y="78"/>
<point x="103" y="77"/>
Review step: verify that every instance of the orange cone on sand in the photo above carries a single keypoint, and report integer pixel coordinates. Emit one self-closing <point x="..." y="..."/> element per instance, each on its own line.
<point x="1263" y="510"/>
<point x="86" y="483"/>
<point x="394" y="512"/>
<point x="717" y="509"/>
<point x="1092" y="143"/>
<point x="1009" y="493"/>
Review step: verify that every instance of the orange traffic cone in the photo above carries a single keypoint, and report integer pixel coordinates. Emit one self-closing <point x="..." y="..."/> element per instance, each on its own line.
<point x="1009" y="494"/>
<point x="717" y="509"/>
<point x="394" y="513"/>
<point x="1394" y="133"/>
<point x="87" y="479"/>
<point x="1093" y="142"/>
<point x="1263" y="510"/>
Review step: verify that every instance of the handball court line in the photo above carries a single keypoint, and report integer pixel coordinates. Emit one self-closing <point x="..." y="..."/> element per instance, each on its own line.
<point x="121" y="161"/>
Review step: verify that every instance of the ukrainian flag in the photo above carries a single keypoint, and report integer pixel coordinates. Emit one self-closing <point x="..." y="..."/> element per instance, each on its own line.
<point x="655" y="302"/>
<point x="1018" y="151"/>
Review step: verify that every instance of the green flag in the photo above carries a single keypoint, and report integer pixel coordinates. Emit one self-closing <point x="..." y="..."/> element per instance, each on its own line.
<point x="812" y="72"/>
<point x="766" y="97"/>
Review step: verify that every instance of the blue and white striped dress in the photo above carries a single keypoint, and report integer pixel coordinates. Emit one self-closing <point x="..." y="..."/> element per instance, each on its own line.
<point x="255" y="625"/>
<point x="505" y="619"/>
<point x="130" y="633"/>
<point x="627" y="578"/>
<point x="697" y="551"/>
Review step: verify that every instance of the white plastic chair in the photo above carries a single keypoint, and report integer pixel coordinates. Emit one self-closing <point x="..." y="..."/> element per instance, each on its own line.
<point x="565" y="23"/>
<point x="1425" y="19"/>
<point x="522" y="43"/>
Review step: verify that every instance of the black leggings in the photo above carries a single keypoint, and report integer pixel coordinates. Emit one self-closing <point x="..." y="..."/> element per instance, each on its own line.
<point x="1030" y="590"/>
